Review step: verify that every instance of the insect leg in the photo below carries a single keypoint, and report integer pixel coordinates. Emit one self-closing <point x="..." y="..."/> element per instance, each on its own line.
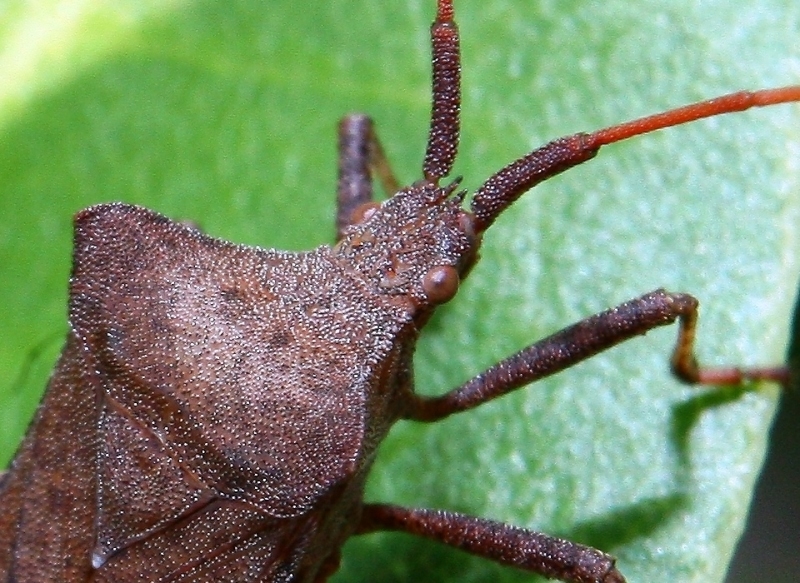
<point x="684" y="364"/>
<point x="583" y="340"/>
<point x="360" y="155"/>
<point x="509" y="545"/>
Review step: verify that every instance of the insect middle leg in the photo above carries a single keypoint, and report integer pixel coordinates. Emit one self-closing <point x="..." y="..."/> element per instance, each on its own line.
<point x="583" y="340"/>
<point x="360" y="156"/>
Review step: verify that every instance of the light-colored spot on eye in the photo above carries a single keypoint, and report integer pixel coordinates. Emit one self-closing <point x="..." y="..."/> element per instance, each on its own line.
<point x="363" y="212"/>
<point x="440" y="283"/>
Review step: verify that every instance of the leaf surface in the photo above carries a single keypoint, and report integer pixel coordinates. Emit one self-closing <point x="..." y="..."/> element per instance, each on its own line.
<point x="225" y="113"/>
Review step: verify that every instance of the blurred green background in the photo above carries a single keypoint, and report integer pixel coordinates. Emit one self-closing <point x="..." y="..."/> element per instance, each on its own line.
<point x="225" y="113"/>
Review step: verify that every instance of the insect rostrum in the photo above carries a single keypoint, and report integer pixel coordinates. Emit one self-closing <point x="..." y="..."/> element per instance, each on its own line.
<point x="265" y="482"/>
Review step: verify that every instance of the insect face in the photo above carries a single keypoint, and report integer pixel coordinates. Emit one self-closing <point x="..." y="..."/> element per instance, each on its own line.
<point x="416" y="245"/>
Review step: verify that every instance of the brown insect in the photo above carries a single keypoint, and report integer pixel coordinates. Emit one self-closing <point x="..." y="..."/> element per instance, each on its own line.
<point x="225" y="403"/>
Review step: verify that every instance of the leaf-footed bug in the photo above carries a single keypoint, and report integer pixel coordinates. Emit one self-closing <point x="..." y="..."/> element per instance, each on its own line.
<point x="322" y="411"/>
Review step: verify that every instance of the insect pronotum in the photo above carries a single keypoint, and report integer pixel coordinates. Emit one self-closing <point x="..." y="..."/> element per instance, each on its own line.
<point x="217" y="408"/>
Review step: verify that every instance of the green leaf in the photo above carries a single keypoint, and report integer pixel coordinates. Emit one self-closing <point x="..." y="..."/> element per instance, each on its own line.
<point x="225" y="113"/>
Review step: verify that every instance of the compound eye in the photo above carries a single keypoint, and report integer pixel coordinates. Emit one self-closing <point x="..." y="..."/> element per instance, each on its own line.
<point x="440" y="283"/>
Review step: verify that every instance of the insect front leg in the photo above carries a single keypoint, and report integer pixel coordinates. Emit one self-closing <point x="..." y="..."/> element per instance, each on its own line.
<point x="583" y="340"/>
<point x="360" y="155"/>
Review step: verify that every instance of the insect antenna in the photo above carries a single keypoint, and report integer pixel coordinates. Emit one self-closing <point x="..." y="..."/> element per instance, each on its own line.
<point x="507" y="185"/>
<point x="446" y="103"/>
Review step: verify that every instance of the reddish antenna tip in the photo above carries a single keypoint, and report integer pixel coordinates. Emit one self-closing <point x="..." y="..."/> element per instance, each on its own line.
<point x="444" y="11"/>
<point x="729" y="103"/>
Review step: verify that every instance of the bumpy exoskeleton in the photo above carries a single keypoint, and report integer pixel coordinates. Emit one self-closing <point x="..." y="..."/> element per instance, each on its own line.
<point x="217" y="408"/>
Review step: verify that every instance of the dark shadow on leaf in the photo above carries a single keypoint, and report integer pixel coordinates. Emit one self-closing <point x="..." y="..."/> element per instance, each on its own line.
<point x="687" y="414"/>
<point x="398" y="558"/>
<point x="793" y="351"/>
<point x="620" y="527"/>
